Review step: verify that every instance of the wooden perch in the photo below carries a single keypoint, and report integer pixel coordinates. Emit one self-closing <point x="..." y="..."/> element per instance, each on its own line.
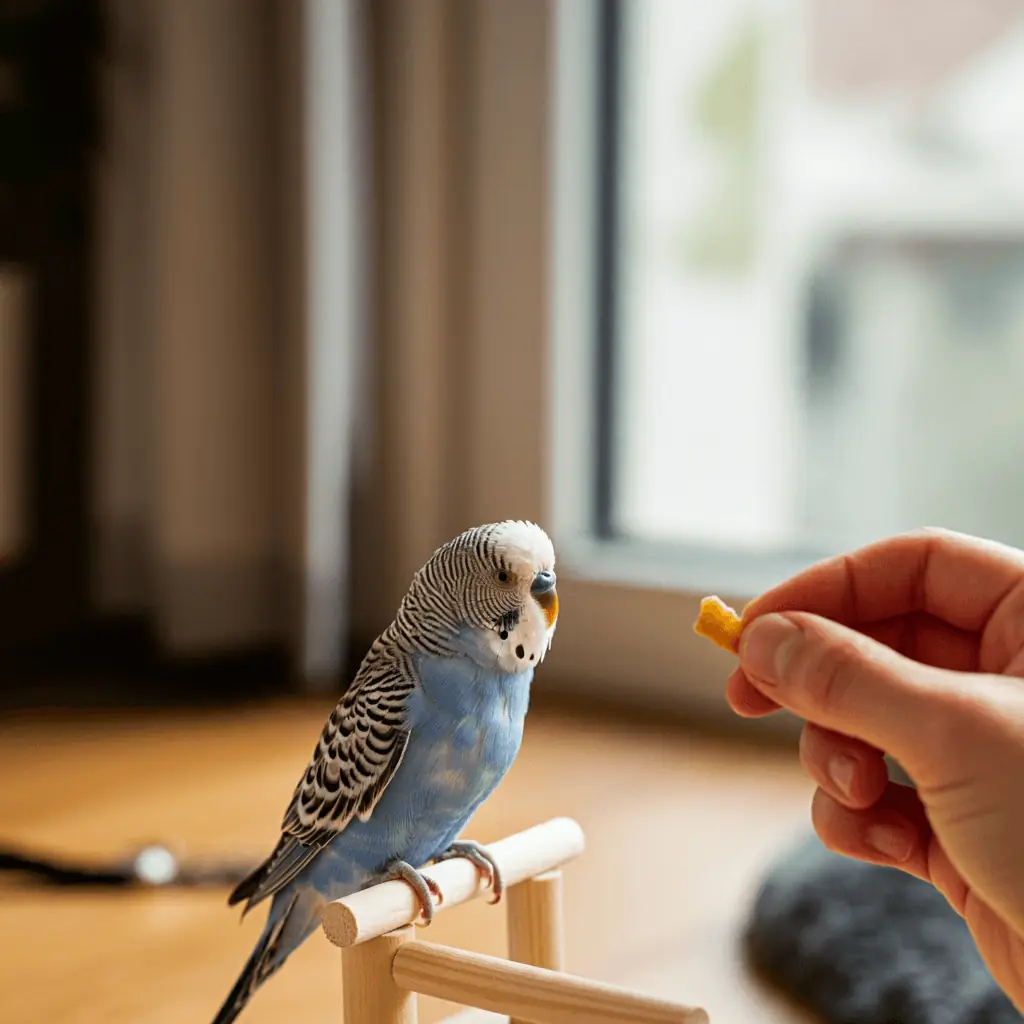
<point x="525" y="992"/>
<point x="382" y="908"/>
<point x="385" y="967"/>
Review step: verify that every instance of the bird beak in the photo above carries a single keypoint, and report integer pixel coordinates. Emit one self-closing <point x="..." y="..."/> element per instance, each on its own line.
<point x="543" y="582"/>
<point x="543" y="591"/>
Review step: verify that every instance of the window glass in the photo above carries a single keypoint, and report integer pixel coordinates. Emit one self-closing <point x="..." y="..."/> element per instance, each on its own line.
<point x="819" y="323"/>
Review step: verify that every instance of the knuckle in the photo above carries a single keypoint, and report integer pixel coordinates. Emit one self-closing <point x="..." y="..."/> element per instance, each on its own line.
<point x="807" y="749"/>
<point x="813" y="753"/>
<point x="827" y="676"/>
<point x="824" y="814"/>
<point x="1004" y="635"/>
<point x="812" y="749"/>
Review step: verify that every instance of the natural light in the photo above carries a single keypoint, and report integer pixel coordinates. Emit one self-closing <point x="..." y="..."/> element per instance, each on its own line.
<point x="823" y="250"/>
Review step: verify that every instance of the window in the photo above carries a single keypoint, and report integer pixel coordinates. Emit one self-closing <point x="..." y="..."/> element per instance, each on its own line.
<point x="794" y="242"/>
<point x="820" y="312"/>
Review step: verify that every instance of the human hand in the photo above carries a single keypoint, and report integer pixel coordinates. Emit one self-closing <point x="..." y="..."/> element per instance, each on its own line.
<point x="913" y="646"/>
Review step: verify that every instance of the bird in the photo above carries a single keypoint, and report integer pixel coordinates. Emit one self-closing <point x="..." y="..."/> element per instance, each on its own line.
<point x="431" y="723"/>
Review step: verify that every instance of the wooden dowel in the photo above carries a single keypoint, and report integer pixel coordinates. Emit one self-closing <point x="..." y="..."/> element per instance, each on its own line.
<point x="535" y="928"/>
<point x="370" y="995"/>
<point x="382" y="908"/>
<point x="528" y="993"/>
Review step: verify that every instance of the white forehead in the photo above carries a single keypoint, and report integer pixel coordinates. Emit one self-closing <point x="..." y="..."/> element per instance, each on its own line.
<point x="524" y="546"/>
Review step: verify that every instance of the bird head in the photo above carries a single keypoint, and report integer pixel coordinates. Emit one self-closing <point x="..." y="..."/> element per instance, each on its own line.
<point x="501" y="580"/>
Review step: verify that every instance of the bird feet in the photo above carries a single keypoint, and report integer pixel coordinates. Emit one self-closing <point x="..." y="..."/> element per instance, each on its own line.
<point x="483" y="861"/>
<point x="421" y="885"/>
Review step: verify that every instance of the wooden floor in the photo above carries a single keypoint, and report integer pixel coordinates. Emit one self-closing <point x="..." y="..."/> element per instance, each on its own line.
<point x="678" y="829"/>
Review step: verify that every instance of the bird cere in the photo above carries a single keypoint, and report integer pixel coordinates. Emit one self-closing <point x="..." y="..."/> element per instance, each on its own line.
<point x="719" y="623"/>
<point x="430" y="725"/>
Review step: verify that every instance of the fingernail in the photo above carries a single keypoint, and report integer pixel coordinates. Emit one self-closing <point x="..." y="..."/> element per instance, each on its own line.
<point x="895" y="840"/>
<point x="767" y="645"/>
<point x="841" y="770"/>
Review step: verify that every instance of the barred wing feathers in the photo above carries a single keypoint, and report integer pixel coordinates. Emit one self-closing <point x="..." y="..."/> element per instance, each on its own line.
<point x="359" y="750"/>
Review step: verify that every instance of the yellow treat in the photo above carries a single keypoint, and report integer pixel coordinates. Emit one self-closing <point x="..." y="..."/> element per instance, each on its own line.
<point x="719" y="623"/>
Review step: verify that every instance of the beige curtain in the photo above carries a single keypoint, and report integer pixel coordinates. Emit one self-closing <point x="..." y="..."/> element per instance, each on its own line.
<point x="264" y="471"/>
<point x="461" y="101"/>
<point x="231" y="321"/>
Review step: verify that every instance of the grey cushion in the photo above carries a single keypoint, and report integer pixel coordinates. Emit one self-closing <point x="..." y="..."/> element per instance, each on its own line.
<point x="861" y="944"/>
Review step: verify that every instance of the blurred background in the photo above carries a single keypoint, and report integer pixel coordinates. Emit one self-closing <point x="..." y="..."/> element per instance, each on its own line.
<point x="292" y="291"/>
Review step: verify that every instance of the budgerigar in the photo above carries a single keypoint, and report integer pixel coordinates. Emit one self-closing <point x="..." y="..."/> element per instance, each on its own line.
<point x="430" y="725"/>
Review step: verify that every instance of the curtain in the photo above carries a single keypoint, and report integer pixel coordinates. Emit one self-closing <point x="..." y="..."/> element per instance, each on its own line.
<point x="231" y="322"/>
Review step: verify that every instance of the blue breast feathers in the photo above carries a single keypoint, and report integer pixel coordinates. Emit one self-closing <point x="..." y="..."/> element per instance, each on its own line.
<point x="467" y="727"/>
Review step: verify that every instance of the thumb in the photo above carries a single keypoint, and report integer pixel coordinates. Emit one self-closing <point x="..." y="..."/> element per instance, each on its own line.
<point x="845" y="681"/>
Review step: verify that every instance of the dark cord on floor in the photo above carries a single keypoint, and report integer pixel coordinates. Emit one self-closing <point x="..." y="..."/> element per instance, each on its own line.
<point x="152" y="866"/>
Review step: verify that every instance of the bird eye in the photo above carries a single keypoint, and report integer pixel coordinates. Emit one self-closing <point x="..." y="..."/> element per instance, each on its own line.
<point x="502" y="576"/>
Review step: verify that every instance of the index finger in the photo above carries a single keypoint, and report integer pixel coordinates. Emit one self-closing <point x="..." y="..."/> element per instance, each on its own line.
<point x="958" y="579"/>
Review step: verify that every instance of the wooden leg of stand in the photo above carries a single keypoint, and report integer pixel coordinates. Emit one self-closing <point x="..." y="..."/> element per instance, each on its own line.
<point x="370" y="994"/>
<point x="535" y="926"/>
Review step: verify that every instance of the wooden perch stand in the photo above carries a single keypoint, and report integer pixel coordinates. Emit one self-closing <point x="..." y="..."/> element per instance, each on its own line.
<point x="384" y="965"/>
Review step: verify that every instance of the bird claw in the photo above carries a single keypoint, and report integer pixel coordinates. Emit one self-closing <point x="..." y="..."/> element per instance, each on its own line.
<point x="423" y="886"/>
<point x="482" y="860"/>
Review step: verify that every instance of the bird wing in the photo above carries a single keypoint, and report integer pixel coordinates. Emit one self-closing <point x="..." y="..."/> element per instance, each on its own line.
<point x="359" y="750"/>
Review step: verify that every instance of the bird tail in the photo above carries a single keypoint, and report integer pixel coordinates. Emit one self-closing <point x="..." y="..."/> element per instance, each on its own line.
<point x="286" y="928"/>
<point x="250" y="885"/>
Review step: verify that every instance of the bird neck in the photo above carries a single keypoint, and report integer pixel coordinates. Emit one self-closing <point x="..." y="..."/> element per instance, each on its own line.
<point x="462" y="688"/>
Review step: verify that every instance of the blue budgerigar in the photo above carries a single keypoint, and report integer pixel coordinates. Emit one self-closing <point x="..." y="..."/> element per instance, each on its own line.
<point x="430" y="725"/>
